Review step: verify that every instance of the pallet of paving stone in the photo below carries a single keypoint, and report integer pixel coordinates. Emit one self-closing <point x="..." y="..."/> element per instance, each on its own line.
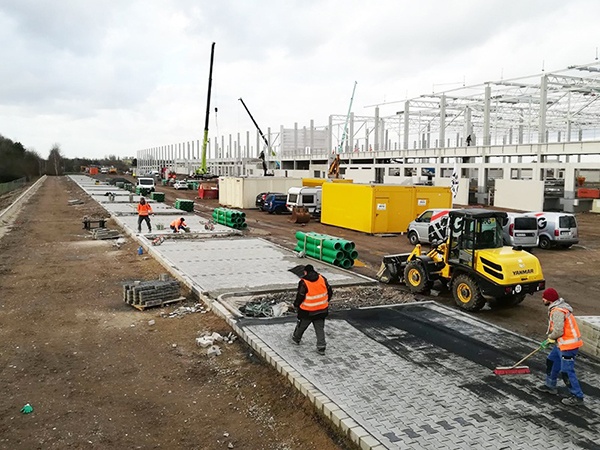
<point x="146" y="294"/>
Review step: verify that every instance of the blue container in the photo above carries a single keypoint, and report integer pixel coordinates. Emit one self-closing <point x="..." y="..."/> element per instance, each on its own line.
<point x="140" y="250"/>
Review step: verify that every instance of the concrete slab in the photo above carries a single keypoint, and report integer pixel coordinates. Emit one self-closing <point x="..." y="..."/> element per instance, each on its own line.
<point x="195" y="223"/>
<point x="219" y="266"/>
<point x="421" y="376"/>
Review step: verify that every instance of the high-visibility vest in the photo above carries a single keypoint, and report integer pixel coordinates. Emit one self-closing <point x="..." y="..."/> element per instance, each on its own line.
<point x="178" y="223"/>
<point x="571" y="338"/>
<point x="317" y="297"/>
<point x="144" y="210"/>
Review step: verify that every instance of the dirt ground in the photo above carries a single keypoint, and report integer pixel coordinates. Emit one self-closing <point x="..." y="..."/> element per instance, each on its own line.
<point x="99" y="376"/>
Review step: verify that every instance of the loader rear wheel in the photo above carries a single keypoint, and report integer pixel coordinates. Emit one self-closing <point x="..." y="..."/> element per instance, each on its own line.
<point x="467" y="294"/>
<point x="416" y="278"/>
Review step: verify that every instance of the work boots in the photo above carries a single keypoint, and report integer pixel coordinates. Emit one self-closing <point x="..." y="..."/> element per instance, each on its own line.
<point x="572" y="401"/>
<point x="547" y="389"/>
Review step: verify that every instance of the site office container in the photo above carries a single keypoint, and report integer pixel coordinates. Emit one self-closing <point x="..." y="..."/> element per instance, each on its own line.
<point x="379" y="208"/>
<point x="241" y="192"/>
<point x="318" y="182"/>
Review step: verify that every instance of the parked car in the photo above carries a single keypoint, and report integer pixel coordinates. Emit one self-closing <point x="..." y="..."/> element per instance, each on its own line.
<point x="557" y="229"/>
<point x="180" y="184"/>
<point x="275" y="203"/>
<point x="521" y="230"/>
<point x="260" y="199"/>
<point x="429" y="227"/>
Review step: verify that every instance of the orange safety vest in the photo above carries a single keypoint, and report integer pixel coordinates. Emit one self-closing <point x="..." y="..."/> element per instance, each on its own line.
<point x="178" y="223"/>
<point x="144" y="210"/>
<point x="317" y="297"/>
<point x="571" y="338"/>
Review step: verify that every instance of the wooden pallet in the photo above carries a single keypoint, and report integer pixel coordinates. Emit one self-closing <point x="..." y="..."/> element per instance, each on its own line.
<point x="162" y="303"/>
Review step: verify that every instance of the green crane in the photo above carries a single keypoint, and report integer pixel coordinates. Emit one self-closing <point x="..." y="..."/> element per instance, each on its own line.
<point x="334" y="166"/>
<point x="202" y="170"/>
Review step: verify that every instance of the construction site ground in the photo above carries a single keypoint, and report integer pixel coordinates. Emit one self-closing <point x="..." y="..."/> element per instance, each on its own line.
<point x="99" y="375"/>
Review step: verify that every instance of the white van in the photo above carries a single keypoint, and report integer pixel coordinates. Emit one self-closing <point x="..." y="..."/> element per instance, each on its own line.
<point x="557" y="229"/>
<point x="521" y="230"/>
<point x="307" y="197"/>
<point x="146" y="183"/>
<point x="430" y="227"/>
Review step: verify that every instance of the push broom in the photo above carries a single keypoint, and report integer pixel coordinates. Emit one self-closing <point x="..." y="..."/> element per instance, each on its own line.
<point x="516" y="369"/>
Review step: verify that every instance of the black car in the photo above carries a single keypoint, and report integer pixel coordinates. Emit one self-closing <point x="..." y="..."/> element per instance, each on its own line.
<point x="260" y="200"/>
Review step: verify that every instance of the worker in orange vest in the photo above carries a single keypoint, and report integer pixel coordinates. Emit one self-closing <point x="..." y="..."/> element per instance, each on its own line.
<point x="178" y="224"/>
<point x="144" y="210"/>
<point x="312" y="303"/>
<point x="564" y="332"/>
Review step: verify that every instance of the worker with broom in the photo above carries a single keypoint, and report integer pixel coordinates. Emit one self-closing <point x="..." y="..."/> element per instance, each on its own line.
<point x="564" y="332"/>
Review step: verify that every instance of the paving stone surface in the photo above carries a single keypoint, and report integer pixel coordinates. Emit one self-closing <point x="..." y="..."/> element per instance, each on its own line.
<point x="421" y="376"/>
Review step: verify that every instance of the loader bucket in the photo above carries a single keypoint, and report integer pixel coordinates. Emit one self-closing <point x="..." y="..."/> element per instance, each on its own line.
<point x="300" y="215"/>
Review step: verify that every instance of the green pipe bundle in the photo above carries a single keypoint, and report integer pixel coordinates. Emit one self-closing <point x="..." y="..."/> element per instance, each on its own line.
<point x="330" y="249"/>
<point x="184" y="204"/>
<point x="230" y="218"/>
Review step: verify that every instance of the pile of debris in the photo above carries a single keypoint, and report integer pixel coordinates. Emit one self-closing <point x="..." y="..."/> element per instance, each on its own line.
<point x="185" y="310"/>
<point x="145" y="294"/>
<point x="209" y="340"/>
<point x="270" y="305"/>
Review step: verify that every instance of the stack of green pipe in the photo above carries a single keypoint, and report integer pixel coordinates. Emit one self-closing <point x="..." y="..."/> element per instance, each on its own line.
<point x="230" y="218"/>
<point x="184" y="204"/>
<point x="158" y="196"/>
<point x="331" y="249"/>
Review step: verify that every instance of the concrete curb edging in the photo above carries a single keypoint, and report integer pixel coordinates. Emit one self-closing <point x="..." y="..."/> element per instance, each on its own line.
<point x="324" y="405"/>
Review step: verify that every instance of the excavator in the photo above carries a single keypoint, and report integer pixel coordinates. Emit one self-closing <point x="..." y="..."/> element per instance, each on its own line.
<point x="473" y="262"/>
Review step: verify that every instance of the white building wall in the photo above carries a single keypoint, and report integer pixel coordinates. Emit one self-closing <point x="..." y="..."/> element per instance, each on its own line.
<point x="522" y="195"/>
<point x="360" y="175"/>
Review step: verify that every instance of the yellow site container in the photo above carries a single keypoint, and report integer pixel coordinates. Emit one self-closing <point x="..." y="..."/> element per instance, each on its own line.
<point x="379" y="208"/>
<point x="316" y="182"/>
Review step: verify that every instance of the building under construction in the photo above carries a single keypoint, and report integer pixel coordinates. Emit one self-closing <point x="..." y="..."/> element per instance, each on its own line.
<point x="540" y="133"/>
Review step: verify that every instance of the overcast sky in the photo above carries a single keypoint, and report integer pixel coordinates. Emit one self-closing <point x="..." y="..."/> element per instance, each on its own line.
<point x="112" y="77"/>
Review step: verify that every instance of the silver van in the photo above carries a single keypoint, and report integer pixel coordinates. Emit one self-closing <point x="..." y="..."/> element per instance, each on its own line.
<point x="521" y="230"/>
<point x="429" y="227"/>
<point x="557" y="229"/>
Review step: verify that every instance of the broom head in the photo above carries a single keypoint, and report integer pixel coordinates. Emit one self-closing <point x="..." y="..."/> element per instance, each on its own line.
<point x="518" y="370"/>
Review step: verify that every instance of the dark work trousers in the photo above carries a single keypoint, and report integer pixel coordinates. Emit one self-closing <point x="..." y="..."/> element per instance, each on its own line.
<point x="318" y="325"/>
<point x="140" y="220"/>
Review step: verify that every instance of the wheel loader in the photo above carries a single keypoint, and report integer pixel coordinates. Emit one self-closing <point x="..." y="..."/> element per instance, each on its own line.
<point x="472" y="262"/>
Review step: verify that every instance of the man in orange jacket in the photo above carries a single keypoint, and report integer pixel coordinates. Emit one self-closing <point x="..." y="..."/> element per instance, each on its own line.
<point x="144" y="210"/>
<point x="564" y="332"/>
<point x="312" y="303"/>
<point x="178" y="225"/>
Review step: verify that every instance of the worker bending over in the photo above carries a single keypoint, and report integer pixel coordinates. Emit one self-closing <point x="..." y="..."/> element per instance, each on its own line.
<point x="178" y="224"/>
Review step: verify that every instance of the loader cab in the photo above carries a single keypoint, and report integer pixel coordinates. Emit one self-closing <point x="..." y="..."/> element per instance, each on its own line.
<point x="472" y="230"/>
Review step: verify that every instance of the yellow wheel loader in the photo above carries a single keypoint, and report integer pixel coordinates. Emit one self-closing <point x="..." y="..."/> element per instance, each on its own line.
<point x="472" y="262"/>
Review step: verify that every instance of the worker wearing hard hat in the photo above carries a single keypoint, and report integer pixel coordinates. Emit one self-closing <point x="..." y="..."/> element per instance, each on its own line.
<point x="178" y="225"/>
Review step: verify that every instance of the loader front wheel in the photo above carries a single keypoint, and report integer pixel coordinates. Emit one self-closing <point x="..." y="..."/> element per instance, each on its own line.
<point x="467" y="294"/>
<point x="416" y="278"/>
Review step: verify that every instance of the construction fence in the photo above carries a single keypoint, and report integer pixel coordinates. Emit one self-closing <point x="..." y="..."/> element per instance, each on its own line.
<point x="12" y="185"/>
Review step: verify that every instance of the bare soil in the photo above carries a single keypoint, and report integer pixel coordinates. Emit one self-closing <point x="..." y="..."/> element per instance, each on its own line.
<point x="100" y="376"/>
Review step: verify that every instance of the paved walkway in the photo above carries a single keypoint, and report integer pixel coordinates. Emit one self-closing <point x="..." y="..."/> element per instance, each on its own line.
<point x="414" y="376"/>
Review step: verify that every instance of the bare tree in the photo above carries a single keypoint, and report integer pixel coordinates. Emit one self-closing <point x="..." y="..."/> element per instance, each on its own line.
<point x="55" y="160"/>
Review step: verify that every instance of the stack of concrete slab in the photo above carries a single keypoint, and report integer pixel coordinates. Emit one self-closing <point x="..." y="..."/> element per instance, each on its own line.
<point x="590" y="333"/>
<point x="145" y="294"/>
<point x="105" y="233"/>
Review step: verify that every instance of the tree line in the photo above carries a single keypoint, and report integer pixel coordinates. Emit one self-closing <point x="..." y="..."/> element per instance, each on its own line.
<point x="18" y="162"/>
